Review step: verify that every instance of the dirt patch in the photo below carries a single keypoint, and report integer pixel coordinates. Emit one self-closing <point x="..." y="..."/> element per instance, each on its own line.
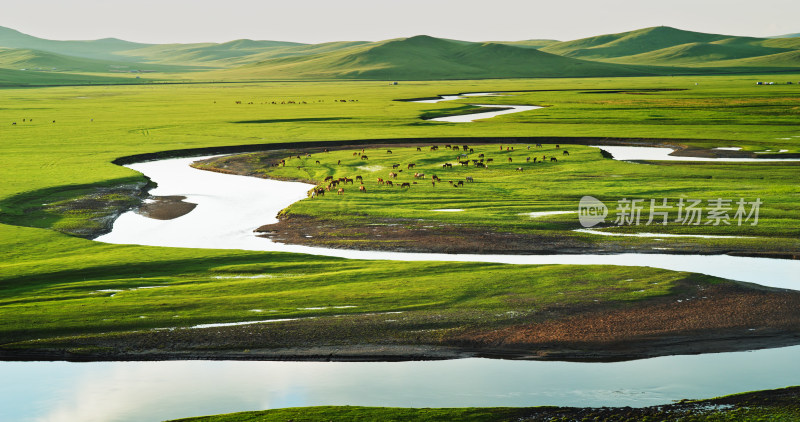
<point x="166" y="207"/>
<point x="720" y="318"/>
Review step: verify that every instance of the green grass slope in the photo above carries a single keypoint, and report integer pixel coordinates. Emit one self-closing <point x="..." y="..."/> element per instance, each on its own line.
<point x="206" y="54"/>
<point x="103" y="49"/>
<point x="423" y="57"/>
<point x="629" y="43"/>
<point x="35" y="60"/>
<point x="698" y="53"/>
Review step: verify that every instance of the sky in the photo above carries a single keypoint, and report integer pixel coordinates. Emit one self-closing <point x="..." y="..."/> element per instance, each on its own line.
<point x="313" y="21"/>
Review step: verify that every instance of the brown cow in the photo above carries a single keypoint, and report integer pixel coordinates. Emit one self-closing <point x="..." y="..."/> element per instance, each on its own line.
<point x="362" y="188"/>
<point x="340" y="191"/>
<point x="405" y="185"/>
<point x="380" y="181"/>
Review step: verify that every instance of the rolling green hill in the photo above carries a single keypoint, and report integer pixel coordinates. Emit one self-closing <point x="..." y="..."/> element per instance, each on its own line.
<point x="630" y="43"/>
<point x="665" y="46"/>
<point x="35" y="60"/>
<point x="648" y="51"/>
<point x="103" y="49"/>
<point x="424" y="57"/>
<point x="205" y="54"/>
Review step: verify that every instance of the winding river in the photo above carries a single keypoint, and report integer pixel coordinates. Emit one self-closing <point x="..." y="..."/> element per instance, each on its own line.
<point x="225" y="219"/>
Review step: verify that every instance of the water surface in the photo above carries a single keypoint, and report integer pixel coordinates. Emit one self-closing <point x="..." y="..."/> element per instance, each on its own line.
<point x="153" y="391"/>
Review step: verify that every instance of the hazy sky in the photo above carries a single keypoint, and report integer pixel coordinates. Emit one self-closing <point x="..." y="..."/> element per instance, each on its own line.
<point x="162" y="21"/>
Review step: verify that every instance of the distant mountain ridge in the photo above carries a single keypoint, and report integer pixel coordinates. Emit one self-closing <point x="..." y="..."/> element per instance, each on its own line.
<point x="648" y="51"/>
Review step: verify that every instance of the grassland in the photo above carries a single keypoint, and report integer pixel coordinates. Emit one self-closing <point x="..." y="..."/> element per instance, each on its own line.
<point x="55" y="289"/>
<point x="508" y="189"/>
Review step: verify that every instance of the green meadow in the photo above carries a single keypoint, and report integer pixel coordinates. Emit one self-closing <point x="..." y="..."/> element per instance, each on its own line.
<point x="52" y="282"/>
<point x="62" y="293"/>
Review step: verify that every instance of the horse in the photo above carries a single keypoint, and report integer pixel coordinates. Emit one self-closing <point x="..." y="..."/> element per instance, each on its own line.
<point x="469" y="179"/>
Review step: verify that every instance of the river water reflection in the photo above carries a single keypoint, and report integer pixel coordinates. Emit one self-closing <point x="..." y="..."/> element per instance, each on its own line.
<point x="152" y="391"/>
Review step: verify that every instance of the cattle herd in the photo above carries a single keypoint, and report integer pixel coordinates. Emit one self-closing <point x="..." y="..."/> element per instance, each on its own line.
<point x="463" y="159"/>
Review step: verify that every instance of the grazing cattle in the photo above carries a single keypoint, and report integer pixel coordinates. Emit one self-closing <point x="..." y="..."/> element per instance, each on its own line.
<point x="362" y="189"/>
<point x="389" y="183"/>
<point x="480" y="155"/>
<point x="465" y="147"/>
<point x="460" y="183"/>
<point x="455" y="147"/>
<point x="340" y="191"/>
<point x="553" y="159"/>
<point x="448" y="146"/>
<point x="469" y="179"/>
<point x="328" y="178"/>
<point x="419" y="175"/>
<point x="435" y="177"/>
<point x="355" y="153"/>
<point x="393" y="175"/>
<point x="411" y="165"/>
<point x="534" y="160"/>
<point x="538" y="145"/>
<point x="339" y="162"/>
<point x="325" y="150"/>
<point x="380" y="181"/>
<point x="405" y="185"/>
<point x="450" y="182"/>
<point x="464" y="163"/>
<point x="446" y="165"/>
<point x="364" y="157"/>
<point x="471" y="150"/>
<point x="480" y="165"/>
<point x="317" y="162"/>
<point x="350" y="181"/>
<point x="489" y="160"/>
<point x="529" y="147"/>
<point x="394" y="166"/>
<point x="14" y="123"/>
<point x="320" y="192"/>
<point x="509" y="159"/>
<point x="528" y="159"/>
<point x="434" y="148"/>
<point x="419" y="149"/>
<point x="359" y="178"/>
<point x="334" y="183"/>
<point x="565" y="152"/>
<point x="519" y="168"/>
<point x="388" y="151"/>
<point x="557" y="146"/>
<point x="501" y="147"/>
